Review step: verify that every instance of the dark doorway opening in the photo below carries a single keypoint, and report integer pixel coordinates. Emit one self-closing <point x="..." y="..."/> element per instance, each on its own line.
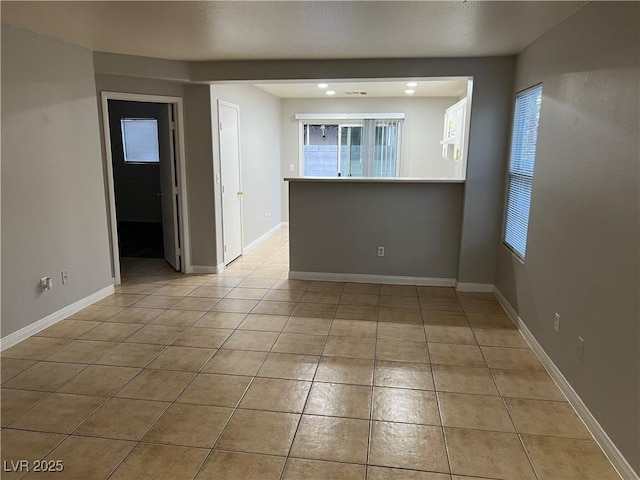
<point x="140" y="150"/>
<point x="140" y="239"/>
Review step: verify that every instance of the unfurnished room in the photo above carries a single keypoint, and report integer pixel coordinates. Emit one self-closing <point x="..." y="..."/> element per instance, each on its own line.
<point x="320" y="240"/>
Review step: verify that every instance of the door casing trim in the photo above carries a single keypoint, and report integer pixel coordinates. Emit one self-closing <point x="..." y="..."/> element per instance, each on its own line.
<point x="183" y="224"/>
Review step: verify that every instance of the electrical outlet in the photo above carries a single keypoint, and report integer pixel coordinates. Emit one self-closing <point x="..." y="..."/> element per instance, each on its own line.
<point x="381" y="251"/>
<point x="292" y="168"/>
<point x="580" y="347"/>
<point x="556" y="322"/>
<point x="65" y="276"/>
<point x="46" y="283"/>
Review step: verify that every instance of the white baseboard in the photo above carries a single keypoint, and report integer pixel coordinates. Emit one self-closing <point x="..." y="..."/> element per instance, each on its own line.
<point x="263" y="237"/>
<point x="24" y="333"/>
<point x="600" y="436"/>
<point x="474" y="287"/>
<point x="364" y="278"/>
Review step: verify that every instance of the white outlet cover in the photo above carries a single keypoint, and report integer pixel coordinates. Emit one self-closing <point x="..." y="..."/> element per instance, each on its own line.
<point x="46" y="283"/>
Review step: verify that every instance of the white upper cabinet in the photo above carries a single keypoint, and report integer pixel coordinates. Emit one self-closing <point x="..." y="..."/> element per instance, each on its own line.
<point x="453" y="140"/>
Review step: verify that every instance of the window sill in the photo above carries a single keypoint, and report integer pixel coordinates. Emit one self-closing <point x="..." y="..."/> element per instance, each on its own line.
<point x="371" y="180"/>
<point x="513" y="253"/>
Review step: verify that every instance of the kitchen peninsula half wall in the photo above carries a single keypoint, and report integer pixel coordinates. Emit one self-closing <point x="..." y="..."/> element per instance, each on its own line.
<point x="336" y="226"/>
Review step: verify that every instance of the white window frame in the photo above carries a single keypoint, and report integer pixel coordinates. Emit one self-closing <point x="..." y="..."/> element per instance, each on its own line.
<point x="340" y="127"/>
<point x="135" y="161"/>
<point x="342" y="120"/>
<point x="520" y="255"/>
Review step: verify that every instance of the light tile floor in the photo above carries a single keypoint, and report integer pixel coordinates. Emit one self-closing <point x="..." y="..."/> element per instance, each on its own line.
<point x="248" y="375"/>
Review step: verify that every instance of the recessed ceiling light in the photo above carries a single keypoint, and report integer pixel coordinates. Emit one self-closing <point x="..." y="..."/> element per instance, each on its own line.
<point x="409" y="92"/>
<point x="323" y="85"/>
<point x="330" y="92"/>
<point x="412" y="84"/>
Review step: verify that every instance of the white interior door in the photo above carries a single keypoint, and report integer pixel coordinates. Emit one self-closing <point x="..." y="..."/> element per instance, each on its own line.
<point x="229" y="128"/>
<point x="169" y="190"/>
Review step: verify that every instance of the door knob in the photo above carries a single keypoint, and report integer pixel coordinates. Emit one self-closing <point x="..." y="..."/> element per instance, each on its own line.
<point x="240" y="193"/>
<point x="159" y="194"/>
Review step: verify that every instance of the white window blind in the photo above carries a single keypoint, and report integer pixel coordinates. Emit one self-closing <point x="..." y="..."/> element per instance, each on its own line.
<point x="381" y="148"/>
<point x="521" y="166"/>
<point x="140" y="140"/>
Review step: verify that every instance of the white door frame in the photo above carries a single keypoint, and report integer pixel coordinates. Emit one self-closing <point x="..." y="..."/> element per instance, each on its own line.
<point x="224" y="103"/>
<point x="185" y="244"/>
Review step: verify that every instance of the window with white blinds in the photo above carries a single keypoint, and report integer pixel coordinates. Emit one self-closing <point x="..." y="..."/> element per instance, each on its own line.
<point x="521" y="166"/>
<point x="140" y="140"/>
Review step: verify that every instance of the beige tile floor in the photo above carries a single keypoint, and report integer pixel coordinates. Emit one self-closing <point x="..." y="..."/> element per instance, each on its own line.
<point x="248" y="375"/>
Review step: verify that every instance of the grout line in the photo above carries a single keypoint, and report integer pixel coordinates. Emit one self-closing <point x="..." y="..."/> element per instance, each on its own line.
<point x="439" y="406"/>
<point x="372" y="390"/>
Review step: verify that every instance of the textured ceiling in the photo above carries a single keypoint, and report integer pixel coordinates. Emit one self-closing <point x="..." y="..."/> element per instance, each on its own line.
<point x="238" y="30"/>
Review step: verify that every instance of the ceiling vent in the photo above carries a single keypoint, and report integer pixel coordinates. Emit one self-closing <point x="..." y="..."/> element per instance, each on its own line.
<point x="355" y="94"/>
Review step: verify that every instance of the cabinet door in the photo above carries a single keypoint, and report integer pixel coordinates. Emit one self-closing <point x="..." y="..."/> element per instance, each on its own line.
<point x="460" y="123"/>
<point x="446" y="147"/>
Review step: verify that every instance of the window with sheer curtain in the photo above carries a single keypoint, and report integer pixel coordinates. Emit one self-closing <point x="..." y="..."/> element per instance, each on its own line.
<point x="353" y="148"/>
<point x="521" y="166"/>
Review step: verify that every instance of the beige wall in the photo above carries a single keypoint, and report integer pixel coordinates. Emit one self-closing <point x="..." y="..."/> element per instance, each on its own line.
<point x="582" y="250"/>
<point x="54" y="213"/>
